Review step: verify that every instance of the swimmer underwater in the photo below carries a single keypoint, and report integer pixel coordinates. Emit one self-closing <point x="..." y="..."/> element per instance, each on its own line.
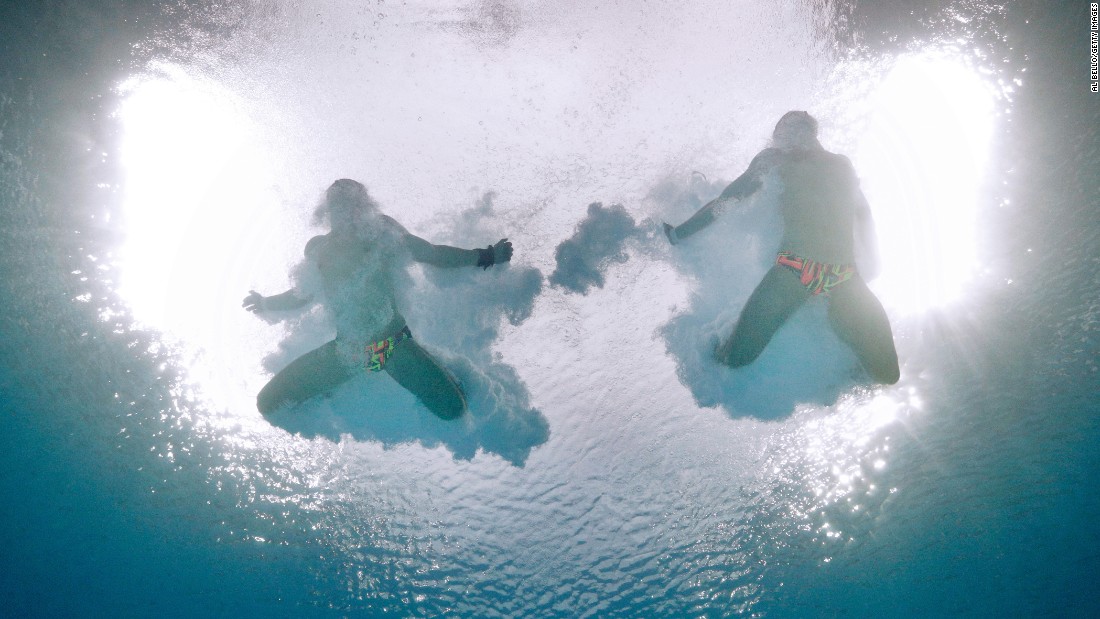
<point x="825" y="219"/>
<point x="349" y="271"/>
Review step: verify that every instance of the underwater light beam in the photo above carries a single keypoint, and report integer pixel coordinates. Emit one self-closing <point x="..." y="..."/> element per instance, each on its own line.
<point x="923" y="161"/>
<point x="190" y="165"/>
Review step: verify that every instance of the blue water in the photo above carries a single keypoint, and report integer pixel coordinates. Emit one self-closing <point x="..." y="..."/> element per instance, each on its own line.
<point x="158" y="162"/>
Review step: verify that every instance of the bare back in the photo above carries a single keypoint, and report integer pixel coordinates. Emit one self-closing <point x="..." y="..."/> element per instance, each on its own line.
<point x="819" y="203"/>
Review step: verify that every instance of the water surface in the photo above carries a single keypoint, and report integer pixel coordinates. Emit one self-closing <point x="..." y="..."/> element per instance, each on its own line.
<point x="159" y="163"/>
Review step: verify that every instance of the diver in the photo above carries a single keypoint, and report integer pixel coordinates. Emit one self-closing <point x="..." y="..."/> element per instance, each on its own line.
<point x="826" y="222"/>
<point x="350" y="270"/>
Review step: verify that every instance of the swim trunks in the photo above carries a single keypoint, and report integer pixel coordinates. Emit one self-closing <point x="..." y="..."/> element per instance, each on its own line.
<point x="817" y="277"/>
<point x="379" y="352"/>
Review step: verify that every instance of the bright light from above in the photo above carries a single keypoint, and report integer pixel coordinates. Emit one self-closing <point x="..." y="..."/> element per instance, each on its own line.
<point x="192" y="166"/>
<point x="188" y="166"/>
<point x="922" y="162"/>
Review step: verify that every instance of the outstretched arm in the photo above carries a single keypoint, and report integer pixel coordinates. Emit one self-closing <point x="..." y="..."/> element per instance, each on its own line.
<point x="295" y="298"/>
<point x="745" y="185"/>
<point x="447" y="256"/>
<point x="866" y="242"/>
<point x="284" y="301"/>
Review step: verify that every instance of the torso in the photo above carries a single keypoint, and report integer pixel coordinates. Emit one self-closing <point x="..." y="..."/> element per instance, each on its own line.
<point x="358" y="287"/>
<point x="818" y="205"/>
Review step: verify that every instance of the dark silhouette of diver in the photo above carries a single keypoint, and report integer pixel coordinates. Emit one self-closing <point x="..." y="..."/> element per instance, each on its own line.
<point x="825" y="216"/>
<point x="351" y="269"/>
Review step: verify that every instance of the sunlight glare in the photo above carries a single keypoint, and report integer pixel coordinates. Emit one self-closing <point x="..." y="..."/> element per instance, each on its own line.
<point x="189" y="162"/>
<point x="922" y="161"/>
<point x="193" y="216"/>
<point x="843" y="453"/>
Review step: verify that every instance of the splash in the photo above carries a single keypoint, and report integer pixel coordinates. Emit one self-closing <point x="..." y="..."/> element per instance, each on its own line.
<point x="456" y="314"/>
<point x="596" y="243"/>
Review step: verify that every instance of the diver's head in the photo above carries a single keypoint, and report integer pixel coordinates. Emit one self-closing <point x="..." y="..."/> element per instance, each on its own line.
<point x="346" y="204"/>
<point x="796" y="130"/>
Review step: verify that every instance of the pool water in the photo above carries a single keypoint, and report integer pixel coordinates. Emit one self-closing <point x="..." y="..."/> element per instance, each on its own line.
<point x="160" y="162"/>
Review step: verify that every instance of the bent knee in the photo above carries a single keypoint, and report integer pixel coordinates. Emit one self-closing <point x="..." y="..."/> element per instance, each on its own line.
<point x="447" y="403"/>
<point x="888" y="376"/>
<point x="266" y="402"/>
<point x="736" y="357"/>
<point x="452" y="408"/>
<point x="885" y="371"/>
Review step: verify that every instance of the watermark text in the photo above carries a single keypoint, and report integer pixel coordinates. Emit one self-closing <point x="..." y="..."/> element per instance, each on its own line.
<point x="1094" y="47"/>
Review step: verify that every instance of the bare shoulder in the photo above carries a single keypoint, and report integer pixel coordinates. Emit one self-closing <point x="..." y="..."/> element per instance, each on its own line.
<point x="839" y="160"/>
<point x="392" y="226"/>
<point x="393" y="232"/>
<point x="766" y="159"/>
<point x="315" y="244"/>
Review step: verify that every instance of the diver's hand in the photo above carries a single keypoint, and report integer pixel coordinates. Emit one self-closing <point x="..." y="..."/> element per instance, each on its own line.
<point x="670" y="232"/>
<point x="254" y="302"/>
<point x="502" y="251"/>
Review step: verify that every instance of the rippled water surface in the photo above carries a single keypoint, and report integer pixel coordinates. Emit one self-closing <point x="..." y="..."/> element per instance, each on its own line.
<point x="158" y="163"/>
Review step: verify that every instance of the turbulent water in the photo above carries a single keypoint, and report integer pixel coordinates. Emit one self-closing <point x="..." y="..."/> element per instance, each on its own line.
<point x="158" y="163"/>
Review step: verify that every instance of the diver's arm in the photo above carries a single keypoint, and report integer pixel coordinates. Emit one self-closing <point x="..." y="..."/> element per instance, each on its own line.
<point x="292" y="299"/>
<point x="745" y="185"/>
<point x="448" y="257"/>
<point x="866" y="242"/>
<point x="701" y="219"/>
<point x="284" y="301"/>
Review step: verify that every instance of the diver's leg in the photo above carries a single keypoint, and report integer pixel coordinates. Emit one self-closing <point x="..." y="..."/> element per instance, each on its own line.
<point x="858" y="318"/>
<point x="776" y="297"/>
<point x="311" y="374"/>
<point x="414" y="369"/>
